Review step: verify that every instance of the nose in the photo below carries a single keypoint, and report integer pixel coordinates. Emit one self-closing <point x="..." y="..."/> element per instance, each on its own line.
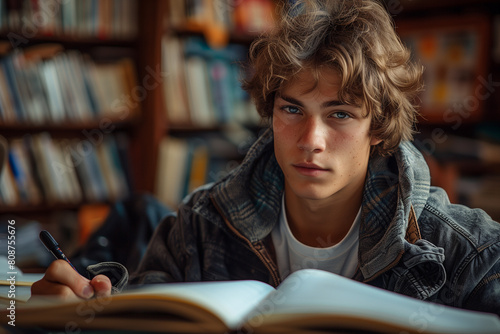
<point x="312" y="137"/>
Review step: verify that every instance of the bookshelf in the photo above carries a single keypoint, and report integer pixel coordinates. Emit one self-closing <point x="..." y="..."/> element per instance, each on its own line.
<point x="211" y="120"/>
<point x="467" y="27"/>
<point x="458" y="43"/>
<point x="66" y="70"/>
<point x="156" y="51"/>
<point x="475" y="18"/>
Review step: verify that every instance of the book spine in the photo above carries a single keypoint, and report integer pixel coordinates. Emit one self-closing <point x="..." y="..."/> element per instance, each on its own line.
<point x="117" y="170"/>
<point x="210" y="80"/>
<point x="19" y="176"/>
<point x="8" y="64"/>
<point x="174" y="85"/>
<point x="8" y="190"/>
<point x="42" y="169"/>
<point x="8" y="105"/>
<point x="171" y="170"/>
<point x="66" y="87"/>
<point x="26" y="182"/>
<point x="103" y="19"/>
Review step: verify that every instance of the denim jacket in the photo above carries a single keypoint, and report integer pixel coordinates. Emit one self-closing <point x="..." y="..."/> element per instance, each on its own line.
<point x="412" y="239"/>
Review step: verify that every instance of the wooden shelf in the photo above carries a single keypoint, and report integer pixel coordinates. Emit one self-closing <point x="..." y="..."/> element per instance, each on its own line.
<point x="237" y="37"/>
<point x="65" y="38"/>
<point x="47" y="207"/>
<point x="179" y="128"/>
<point x="13" y="128"/>
<point x="40" y="208"/>
<point x="102" y="50"/>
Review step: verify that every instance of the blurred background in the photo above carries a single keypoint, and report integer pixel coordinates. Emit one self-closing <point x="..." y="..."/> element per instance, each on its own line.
<point x="102" y="99"/>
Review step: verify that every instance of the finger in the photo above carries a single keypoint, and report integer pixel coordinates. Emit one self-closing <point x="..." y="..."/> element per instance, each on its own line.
<point x="102" y="285"/>
<point x="44" y="288"/>
<point x="61" y="272"/>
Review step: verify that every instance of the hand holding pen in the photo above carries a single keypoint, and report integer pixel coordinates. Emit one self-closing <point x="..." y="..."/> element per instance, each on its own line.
<point x="52" y="246"/>
<point x="61" y="279"/>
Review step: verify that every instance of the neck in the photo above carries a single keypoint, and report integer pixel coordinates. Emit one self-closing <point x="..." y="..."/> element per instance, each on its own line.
<point x="321" y="223"/>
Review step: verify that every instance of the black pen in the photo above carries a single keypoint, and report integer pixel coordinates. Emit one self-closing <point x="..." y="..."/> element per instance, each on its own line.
<point x="51" y="244"/>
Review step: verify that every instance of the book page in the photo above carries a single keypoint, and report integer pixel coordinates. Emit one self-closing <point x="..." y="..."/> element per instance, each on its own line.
<point x="231" y="301"/>
<point x="322" y="300"/>
<point x="8" y="271"/>
<point x="181" y="307"/>
<point x="14" y="284"/>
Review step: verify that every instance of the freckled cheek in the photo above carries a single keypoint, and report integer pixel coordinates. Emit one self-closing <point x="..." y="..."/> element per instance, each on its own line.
<point x="360" y="151"/>
<point x="339" y="142"/>
<point x="357" y="140"/>
<point x="281" y="151"/>
<point x="281" y="138"/>
<point x="352" y="147"/>
<point x="280" y="124"/>
<point x="283" y="129"/>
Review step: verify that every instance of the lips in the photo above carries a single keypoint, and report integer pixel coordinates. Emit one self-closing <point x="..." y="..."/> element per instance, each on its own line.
<point x="310" y="169"/>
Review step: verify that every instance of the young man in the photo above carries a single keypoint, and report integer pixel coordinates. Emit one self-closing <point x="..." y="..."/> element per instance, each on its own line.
<point x="333" y="184"/>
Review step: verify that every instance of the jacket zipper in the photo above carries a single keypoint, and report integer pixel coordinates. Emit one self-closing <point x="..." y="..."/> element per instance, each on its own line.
<point x="268" y="265"/>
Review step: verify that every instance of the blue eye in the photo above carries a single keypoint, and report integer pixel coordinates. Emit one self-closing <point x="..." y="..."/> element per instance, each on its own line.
<point x="341" y="115"/>
<point x="291" y="109"/>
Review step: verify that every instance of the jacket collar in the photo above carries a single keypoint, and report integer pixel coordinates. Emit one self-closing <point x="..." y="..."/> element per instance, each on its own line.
<point x="396" y="188"/>
<point x="250" y="196"/>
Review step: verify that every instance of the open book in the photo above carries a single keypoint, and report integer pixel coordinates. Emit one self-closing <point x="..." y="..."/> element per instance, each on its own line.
<point x="306" y="301"/>
<point x="14" y="284"/>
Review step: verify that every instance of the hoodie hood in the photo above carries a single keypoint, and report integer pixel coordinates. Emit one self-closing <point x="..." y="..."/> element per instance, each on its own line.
<point x="250" y="199"/>
<point x="395" y="194"/>
<point x="395" y="186"/>
<point x="250" y="196"/>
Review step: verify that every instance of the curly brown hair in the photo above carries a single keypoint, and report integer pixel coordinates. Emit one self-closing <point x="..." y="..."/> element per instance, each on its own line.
<point x="355" y="37"/>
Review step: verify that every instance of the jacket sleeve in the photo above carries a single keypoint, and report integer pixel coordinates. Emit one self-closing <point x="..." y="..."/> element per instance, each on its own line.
<point x="486" y="295"/>
<point x="116" y="272"/>
<point x="172" y="254"/>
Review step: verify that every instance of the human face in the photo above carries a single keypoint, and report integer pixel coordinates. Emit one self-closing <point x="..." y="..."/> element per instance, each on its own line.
<point x="321" y="144"/>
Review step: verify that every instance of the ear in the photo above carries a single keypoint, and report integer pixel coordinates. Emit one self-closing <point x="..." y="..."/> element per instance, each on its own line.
<point x="375" y="141"/>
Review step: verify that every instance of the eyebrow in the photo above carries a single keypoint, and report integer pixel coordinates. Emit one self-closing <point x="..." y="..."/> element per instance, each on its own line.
<point x="326" y="104"/>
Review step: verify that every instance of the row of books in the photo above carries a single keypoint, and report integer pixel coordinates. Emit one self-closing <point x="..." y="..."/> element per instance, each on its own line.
<point x="249" y="16"/>
<point x="47" y="84"/>
<point x="203" y="85"/>
<point x="103" y="19"/>
<point x="46" y="170"/>
<point x="186" y="163"/>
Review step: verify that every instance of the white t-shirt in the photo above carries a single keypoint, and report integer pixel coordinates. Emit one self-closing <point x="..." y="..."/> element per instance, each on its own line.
<point x="292" y="255"/>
